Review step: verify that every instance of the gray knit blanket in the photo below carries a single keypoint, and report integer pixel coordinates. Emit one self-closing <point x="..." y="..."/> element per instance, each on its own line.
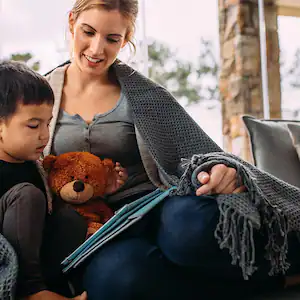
<point x="8" y="270"/>
<point x="270" y="205"/>
<point x="173" y="138"/>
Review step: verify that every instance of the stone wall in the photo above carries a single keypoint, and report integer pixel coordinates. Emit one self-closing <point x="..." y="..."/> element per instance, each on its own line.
<point x="240" y="74"/>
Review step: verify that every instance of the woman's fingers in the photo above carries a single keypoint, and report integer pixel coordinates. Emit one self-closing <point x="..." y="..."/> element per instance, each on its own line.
<point x="220" y="180"/>
<point x="215" y="177"/>
<point x="240" y="189"/>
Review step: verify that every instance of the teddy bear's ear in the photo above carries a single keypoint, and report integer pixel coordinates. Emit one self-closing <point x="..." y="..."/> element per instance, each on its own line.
<point x="48" y="162"/>
<point x="108" y="163"/>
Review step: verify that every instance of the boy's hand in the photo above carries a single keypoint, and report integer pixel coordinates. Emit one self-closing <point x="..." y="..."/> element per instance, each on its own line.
<point x="83" y="296"/>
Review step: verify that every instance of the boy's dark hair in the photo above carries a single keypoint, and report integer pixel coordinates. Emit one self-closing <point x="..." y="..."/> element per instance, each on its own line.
<point x="20" y="84"/>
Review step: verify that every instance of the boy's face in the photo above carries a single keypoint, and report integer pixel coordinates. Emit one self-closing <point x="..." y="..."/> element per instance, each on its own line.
<point x="25" y="134"/>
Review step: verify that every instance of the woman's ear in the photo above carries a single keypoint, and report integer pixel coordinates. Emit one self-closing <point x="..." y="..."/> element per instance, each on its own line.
<point x="71" y="23"/>
<point x="124" y="43"/>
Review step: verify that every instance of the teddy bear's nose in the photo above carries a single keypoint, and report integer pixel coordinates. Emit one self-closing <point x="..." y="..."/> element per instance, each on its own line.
<point x="78" y="186"/>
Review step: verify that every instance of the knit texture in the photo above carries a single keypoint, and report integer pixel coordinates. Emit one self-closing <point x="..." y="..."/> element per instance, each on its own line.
<point x="8" y="270"/>
<point x="172" y="137"/>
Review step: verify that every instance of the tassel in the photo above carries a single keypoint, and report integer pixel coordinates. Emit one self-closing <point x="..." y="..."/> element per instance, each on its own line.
<point x="235" y="233"/>
<point x="276" y="226"/>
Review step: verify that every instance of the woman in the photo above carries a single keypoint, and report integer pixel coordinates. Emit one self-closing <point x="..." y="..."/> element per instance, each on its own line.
<point x="166" y="254"/>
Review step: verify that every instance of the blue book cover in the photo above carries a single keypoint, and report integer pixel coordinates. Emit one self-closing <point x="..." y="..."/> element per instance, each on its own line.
<point x="123" y="219"/>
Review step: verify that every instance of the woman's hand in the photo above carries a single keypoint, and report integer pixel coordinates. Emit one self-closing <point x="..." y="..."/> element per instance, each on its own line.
<point x="220" y="180"/>
<point x="122" y="174"/>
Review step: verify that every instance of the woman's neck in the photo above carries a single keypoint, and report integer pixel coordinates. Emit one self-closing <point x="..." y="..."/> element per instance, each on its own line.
<point x="84" y="81"/>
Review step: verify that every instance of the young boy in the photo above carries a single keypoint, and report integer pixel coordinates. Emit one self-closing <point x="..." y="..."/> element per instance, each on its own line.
<point x="26" y="102"/>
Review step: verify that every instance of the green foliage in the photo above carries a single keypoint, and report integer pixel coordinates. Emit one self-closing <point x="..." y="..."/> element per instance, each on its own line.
<point x="185" y="79"/>
<point x="26" y="58"/>
<point x="207" y="70"/>
<point x="198" y="80"/>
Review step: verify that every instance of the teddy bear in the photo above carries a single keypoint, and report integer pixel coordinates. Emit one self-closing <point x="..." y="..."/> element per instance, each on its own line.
<point x="81" y="179"/>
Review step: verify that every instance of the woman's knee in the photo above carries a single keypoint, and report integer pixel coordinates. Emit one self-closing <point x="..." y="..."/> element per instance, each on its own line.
<point x="183" y="217"/>
<point x="186" y="233"/>
<point x="124" y="269"/>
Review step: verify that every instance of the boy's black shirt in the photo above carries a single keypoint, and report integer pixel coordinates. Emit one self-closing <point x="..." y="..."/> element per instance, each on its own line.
<point x="15" y="173"/>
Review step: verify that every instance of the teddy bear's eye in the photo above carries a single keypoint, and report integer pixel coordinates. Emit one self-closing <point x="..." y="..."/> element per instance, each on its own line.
<point x="72" y="177"/>
<point x="86" y="177"/>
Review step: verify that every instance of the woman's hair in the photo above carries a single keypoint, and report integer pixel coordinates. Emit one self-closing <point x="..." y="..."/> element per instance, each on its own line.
<point x="127" y="8"/>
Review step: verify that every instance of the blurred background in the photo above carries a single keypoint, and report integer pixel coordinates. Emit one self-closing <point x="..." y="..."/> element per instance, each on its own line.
<point x="212" y="55"/>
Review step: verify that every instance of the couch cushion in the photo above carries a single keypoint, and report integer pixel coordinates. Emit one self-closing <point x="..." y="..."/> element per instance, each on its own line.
<point x="272" y="148"/>
<point x="294" y="130"/>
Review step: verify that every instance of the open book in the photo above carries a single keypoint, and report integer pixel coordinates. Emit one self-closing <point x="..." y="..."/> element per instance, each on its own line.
<point x="124" y="218"/>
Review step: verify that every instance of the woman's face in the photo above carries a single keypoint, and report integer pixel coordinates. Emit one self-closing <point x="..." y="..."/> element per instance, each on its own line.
<point x="98" y="36"/>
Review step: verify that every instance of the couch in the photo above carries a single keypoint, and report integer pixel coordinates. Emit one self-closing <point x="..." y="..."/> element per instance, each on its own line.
<point x="275" y="148"/>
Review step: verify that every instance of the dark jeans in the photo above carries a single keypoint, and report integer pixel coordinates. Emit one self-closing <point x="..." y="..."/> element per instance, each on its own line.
<point x="170" y="254"/>
<point x="40" y="242"/>
<point x="173" y="254"/>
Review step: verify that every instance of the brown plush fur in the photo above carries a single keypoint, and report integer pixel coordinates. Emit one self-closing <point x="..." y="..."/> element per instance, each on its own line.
<point x="81" y="178"/>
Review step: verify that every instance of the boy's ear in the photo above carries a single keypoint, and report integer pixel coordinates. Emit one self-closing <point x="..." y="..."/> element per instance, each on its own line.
<point x="48" y="162"/>
<point x="1" y="127"/>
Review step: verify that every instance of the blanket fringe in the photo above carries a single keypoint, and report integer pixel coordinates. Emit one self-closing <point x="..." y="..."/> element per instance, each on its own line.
<point x="185" y="186"/>
<point x="274" y="224"/>
<point x="235" y="233"/>
<point x="276" y="227"/>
